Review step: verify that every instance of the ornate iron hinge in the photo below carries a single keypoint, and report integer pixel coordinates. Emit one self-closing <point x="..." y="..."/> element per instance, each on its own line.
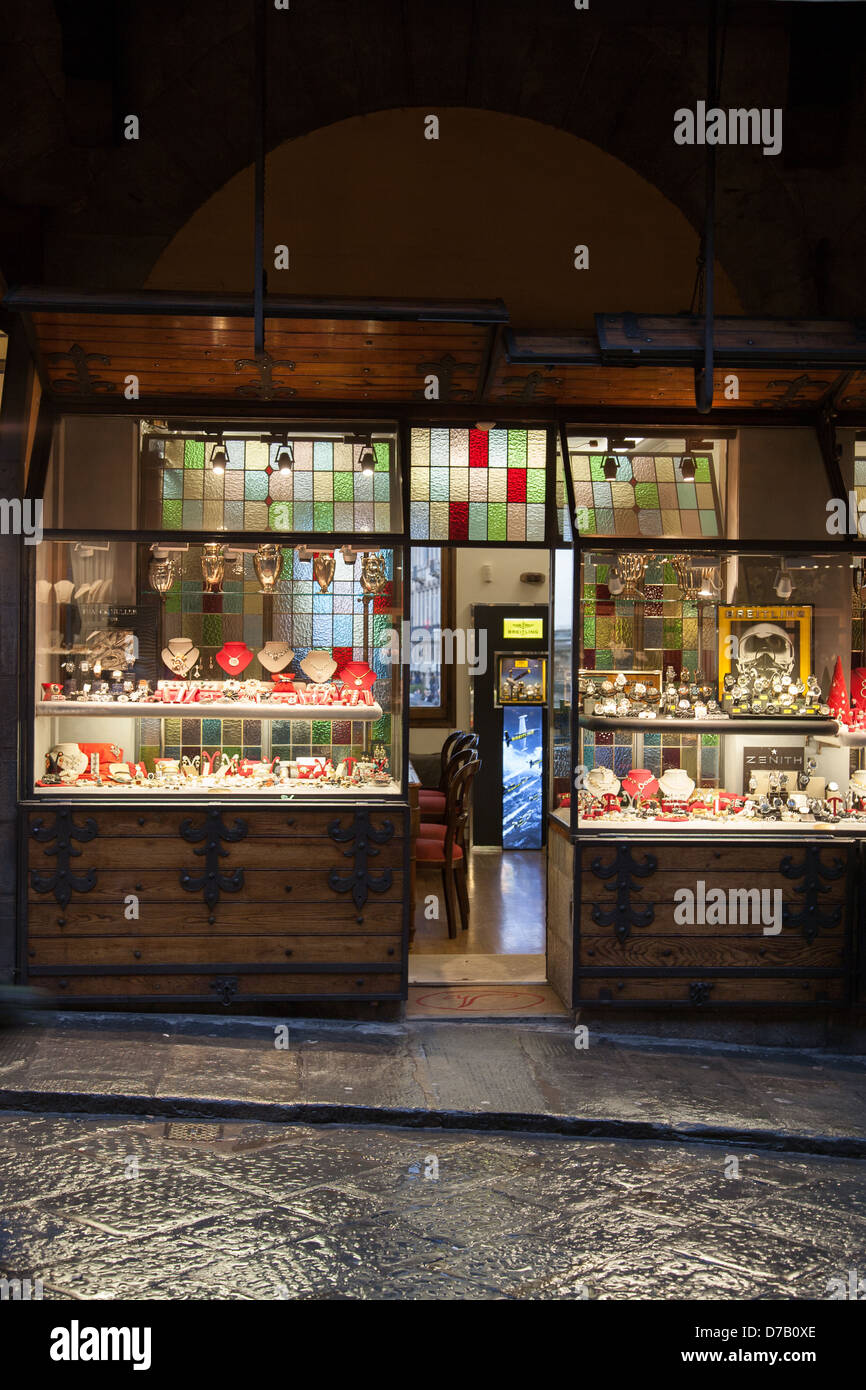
<point x="699" y="991"/>
<point x="624" y="916"/>
<point x="361" y="882"/>
<point x="212" y="881"/>
<point x="62" y="883"/>
<point x="225" y="987"/>
<point x="812" y="870"/>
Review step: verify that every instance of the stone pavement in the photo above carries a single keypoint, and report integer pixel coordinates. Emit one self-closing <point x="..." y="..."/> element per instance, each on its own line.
<point x="119" y="1208"/>
<point x="513" y="1074"/>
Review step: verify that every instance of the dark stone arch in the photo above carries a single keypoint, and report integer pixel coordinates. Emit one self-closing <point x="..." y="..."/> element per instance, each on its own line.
<point x="78" y="205"/>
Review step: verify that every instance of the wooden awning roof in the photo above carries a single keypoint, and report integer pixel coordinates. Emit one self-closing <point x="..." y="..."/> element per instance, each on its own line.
<point x="184" y="347"/>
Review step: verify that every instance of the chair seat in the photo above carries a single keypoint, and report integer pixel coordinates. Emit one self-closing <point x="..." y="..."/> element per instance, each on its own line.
<point x="431" y="831"/>
<point x="433" y="801"/>
<point x="433" y="851"/>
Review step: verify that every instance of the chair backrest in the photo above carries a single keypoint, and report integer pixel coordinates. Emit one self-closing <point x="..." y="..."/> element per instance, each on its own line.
<point x="458" y="803"/>
<point x="453" y="744"/>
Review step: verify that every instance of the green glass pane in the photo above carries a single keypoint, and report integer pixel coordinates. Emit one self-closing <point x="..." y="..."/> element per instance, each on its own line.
<point x="321" y="731"/>
<point x="702" y="470"/>
<point x="646" y="494"/>
<point x="193" y="453"/>
<point x="596" y="468"/>
<point x="172" y="515"/>
<point x="323" y="516"/>
<point x="344" y="486"/>
<point x="212" y="630"/>
<point x="280" y="516"/>
<point x="382" y="450"/>
<point x="497" y="518"/>
<point x="517" y="440"/>
<point x="535" y="485"/>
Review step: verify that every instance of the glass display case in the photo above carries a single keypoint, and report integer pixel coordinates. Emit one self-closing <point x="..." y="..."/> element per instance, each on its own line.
<point x="720" y="691"/>
<point x="220" y="668"/>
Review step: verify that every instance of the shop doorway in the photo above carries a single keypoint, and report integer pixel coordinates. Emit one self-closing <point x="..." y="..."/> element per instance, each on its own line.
<point x="496" y="964"/>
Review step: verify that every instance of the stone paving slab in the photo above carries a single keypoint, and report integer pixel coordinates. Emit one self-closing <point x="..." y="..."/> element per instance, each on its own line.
<point x="113" y="1208"/>
<point x="514" y="1075"/>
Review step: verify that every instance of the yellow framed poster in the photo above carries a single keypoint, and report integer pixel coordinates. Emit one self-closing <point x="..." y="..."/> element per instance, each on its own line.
<point x="771" y="640"/>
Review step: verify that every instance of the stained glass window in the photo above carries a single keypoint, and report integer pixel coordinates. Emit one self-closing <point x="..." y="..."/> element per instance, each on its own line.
<point x="649" y="496"/>
<point x="324" y="491"/>
<point x="563" y="514"/>
<point x="478" y="485"/>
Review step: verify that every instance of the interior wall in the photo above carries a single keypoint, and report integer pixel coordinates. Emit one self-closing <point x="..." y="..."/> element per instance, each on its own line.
<point x="504" y="586"/>
<point x="783" y="488"/>
<point x="98" y="473"/>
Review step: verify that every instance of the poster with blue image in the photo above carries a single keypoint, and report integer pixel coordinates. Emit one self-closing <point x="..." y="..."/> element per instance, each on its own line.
<point x="522" y="777"/>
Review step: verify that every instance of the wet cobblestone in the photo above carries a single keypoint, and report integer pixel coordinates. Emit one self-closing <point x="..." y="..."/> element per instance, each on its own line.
<point x="114" y="1209"/>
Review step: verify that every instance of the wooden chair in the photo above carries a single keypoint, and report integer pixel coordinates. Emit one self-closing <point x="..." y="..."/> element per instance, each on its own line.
<point x="432" y="803"/>
<point x="444" y="846"/>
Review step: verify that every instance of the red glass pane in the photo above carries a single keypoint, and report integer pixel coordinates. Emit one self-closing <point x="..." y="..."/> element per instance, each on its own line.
<point x="342" y="656"/>
<point x="382" y="602"/>
<point x="477" y="448"/>
<point x="517" y="484"/>
<point x="458" y="521"/>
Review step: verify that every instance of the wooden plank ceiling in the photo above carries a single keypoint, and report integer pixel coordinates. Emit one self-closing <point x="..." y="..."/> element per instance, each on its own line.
<point x="630" y="361"/>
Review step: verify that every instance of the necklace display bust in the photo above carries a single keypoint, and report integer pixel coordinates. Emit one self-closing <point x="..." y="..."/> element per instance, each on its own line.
<point x="640" y="784"/>
<point x="275" y="656"/>
<point x="234" y="657"/>
<point x="180" y="655"/>
<point x="319" y="666"/>
<point x="600" y="781"/>
<point x="676" y="785"/>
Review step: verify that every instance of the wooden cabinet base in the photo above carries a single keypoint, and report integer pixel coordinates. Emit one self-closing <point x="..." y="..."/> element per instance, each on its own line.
<point x="216" y="905"/>
<point x="224" y="988"/>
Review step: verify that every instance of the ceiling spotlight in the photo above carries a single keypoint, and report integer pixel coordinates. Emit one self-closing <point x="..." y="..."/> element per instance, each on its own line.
<point x="485" y="425"/>
<point x="611" y="467"/>
<point x="615" y="585"/>
<point x="219" y="458"/>
<point x="367" y="460"/>
<point x="285" y="458"/>
<point x="687" y="468"/>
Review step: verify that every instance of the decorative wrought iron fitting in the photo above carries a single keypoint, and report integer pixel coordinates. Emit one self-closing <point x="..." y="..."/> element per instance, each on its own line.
<point x="62" y="883"/>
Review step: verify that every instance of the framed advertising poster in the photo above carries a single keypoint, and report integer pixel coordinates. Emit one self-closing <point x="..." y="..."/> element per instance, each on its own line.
<point x="756" y="639"/>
